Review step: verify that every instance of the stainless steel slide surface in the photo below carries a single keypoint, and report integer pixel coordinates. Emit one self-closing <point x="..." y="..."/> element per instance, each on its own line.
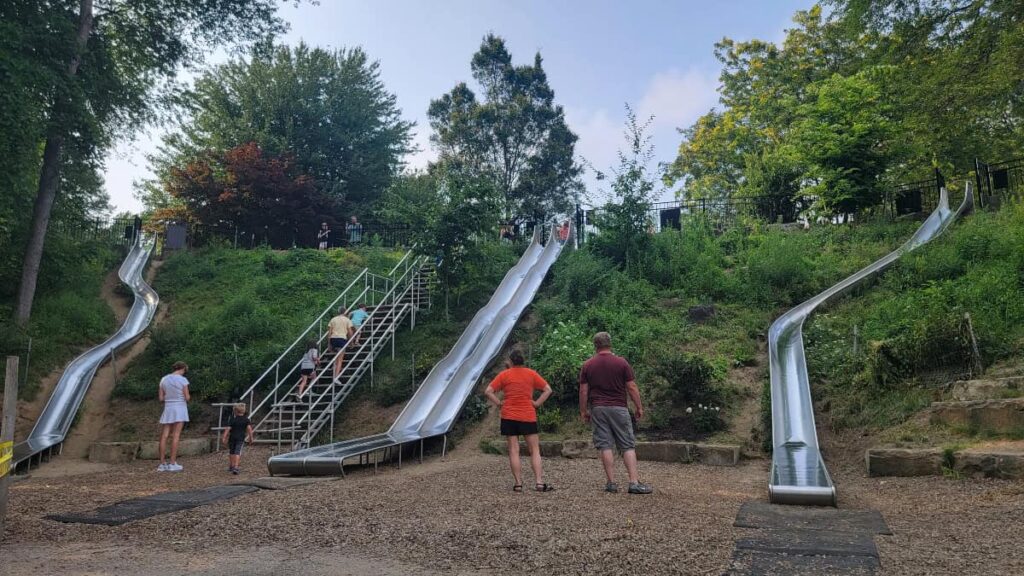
<point x="55" y="421"/>
<point x="798" y="473"/>
<point x="442" y="373"/>
<point x="435" y="405"/>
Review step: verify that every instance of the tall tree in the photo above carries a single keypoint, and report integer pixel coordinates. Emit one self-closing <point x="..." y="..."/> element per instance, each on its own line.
<point x="327" y="109"/>
<point x="252" y="193"/>
<point x="626" y="220"/>
<point x="106" y="66"/>
<point x="514" y="135"/>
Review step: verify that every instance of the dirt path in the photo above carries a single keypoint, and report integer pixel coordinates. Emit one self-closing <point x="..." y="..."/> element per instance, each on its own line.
<point x="94" y="421"/>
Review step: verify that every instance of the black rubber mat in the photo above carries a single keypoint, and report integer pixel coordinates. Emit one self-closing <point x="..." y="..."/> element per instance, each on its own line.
<point x="764" y="515"/>
<point x="796" y="540"/>
<point x="140" y="508"/>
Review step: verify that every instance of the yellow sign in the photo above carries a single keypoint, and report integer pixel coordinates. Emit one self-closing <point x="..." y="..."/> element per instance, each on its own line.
<point x="6" y="453"/>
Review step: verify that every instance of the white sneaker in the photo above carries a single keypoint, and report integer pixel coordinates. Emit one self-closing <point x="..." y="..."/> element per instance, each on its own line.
<point x="161" y="468"/>
<point x="174" y="468"/>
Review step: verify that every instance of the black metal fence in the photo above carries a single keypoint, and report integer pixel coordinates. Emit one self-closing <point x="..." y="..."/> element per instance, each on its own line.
<point x="119" y="231"/>
<point x="999" y="181"/>
<point x="921" y="196"/>
<point x="369" y="234"/>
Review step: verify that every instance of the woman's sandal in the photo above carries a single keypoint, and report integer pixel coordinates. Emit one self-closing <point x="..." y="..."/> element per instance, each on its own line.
<point x="545" y="488"/>
<point x="517" y="488"/>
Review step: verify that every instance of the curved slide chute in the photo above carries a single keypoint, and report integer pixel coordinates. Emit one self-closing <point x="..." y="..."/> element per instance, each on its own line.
<point x="435" y="405"/>
<point x="798" y="473"/>
<point x="55" y="421"/>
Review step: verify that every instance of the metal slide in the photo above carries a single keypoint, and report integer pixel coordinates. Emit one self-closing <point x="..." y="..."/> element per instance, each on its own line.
<point x="55" y="421"/>
<point x="435" y="405"/>
<point x="798" y="474"/>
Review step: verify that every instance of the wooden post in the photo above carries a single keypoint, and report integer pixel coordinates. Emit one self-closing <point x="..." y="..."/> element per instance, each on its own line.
<point x="7" y="429"/>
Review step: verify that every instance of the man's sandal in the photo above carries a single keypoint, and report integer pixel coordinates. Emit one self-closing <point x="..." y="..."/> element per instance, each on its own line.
<point x="544" y="488"/>
<point x="517" y="488"/>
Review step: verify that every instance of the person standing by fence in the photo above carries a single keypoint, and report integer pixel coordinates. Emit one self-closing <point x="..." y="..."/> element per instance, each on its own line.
<point x="323" y="236"/>
<point x="355" y="231"/>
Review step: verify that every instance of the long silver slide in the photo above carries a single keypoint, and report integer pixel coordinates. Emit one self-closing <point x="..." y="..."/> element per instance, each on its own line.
<point x="798" y="473"/>
<point x="55" y="421"/>
<point x="439" y="399"/>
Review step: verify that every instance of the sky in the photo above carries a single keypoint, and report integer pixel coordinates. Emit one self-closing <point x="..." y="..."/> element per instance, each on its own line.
<point x="599" y="55"/>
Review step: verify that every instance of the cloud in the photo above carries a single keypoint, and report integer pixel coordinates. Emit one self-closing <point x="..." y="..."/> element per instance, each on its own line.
<point x="676" y="99"/>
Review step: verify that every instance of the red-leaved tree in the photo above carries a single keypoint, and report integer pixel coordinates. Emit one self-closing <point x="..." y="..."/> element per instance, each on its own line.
<point x="247" y="192"/>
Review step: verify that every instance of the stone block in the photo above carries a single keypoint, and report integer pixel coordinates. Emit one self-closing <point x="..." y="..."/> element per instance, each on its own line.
<point x="716" y="454"/>
<point x="990" y="464"/>
<point x="903" y="461"/>
<point x="664" y="451"/>
<point x="579" y="449"/>
<point x="113" y="452"/>
<point x="965" y="390"/>
<point x="186" y="447"/>
<point x="548" y="448"/>
<point x="984" y="416"/>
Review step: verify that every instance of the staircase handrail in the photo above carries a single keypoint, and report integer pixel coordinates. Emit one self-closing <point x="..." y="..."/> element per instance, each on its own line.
<point x="396" y="314"/>
<point x="376" y="327"/>
<point x="361" y="276"/>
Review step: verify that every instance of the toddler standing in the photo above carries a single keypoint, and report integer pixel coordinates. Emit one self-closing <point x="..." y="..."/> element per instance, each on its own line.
<point x="239" y="431"/>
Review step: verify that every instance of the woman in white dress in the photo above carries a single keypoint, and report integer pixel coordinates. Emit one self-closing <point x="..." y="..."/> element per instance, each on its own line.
<point x="174" y="394"/>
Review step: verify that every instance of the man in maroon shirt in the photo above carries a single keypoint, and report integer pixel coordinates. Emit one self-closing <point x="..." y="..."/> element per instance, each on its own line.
<point x="606" y="380"/>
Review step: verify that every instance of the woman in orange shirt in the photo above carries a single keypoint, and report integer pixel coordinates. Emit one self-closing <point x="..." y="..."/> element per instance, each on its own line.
<point x="519" y="415"/>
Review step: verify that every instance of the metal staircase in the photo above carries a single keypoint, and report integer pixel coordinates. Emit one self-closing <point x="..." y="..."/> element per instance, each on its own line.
<point x="278" y="415"/>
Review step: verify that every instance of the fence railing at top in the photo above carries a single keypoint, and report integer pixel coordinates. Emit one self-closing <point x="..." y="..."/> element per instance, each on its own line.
<point x="370" y="234"/>
<point x="917" y="197"/>
<point x="119" y="231"/>
<point x="999" y="181"/>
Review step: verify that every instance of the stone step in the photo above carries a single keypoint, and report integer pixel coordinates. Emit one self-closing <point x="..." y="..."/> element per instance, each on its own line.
<point x="671" y="451"/>
<point x="118" y="452"/>
<point x="1003" y="460"/>
<point x="987" y="389"/>
<point x="981" y="416"/>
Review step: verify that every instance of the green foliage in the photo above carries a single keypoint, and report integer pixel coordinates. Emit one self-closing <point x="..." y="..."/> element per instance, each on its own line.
<point x="625" y="221"/>
<point x="858" y="95"/>
<point x="682" y="386"/>
<point x="69" y="313"/>
<point x="550" y="419"/>
<point x="514" y="137"/>
<point x="327" y="110"/>
<point x="232" y="312"/>
<point x="912" y="324"/>
<point x="562" y="349"/>
<point x="846" y="138"/>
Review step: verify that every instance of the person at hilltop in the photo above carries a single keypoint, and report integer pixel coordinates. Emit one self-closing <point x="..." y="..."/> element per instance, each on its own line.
<point x="606" y="380"/>
<point x="323" y="236"/>
<point x="358" y="318"/>
<point x="519" y="415"/>
<point x="563" y="232"/>
<point x="339" y="331"/>
<point x="173" y="392"/>
<point x="355" y="231"/>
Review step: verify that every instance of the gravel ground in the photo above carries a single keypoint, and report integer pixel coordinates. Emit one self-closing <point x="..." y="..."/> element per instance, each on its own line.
<point x="461" y="516"/>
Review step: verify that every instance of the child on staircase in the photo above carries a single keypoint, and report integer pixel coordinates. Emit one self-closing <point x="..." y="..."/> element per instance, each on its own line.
<point x="238" y="432"/>
<point x="310" y="362"/>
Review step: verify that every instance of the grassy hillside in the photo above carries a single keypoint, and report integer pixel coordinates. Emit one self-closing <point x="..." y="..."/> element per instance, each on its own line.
<point x="231" y="312"/>
<point x="68" y="314"/>
<point x="912" y="334"/>
<point x="696" y="376"/>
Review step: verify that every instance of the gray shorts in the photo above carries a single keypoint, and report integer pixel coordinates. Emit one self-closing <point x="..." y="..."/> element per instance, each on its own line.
<point x="613" y="427"/>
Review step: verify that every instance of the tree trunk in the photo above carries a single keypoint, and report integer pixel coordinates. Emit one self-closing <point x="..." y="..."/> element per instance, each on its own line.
<point x="49" y="180"/>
